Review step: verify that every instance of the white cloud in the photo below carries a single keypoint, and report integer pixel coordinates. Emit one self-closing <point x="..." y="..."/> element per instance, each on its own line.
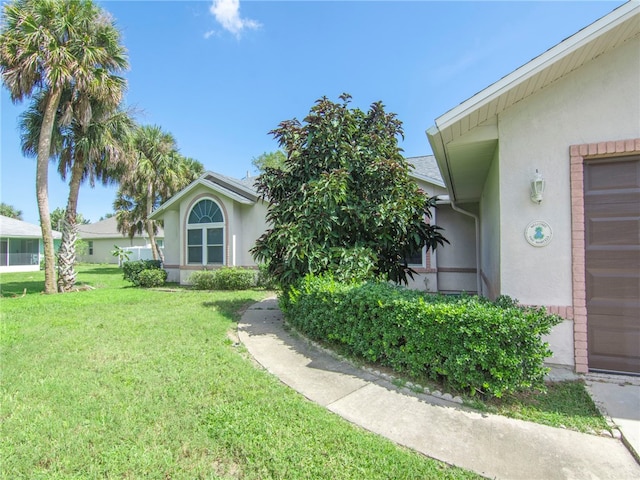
<point x="209" y="33"/>
<point x="227" y="14"/>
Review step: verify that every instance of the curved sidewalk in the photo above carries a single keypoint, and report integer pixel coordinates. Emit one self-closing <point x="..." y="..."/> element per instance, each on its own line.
<point x="491" y="445"/>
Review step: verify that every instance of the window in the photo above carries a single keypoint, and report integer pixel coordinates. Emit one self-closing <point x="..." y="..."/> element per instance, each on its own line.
<point x="417" y="258"/>
<point x="90" y="247"/>
<point x="205" y="234"/>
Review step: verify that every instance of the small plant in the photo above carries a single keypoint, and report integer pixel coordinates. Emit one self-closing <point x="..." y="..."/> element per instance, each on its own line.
<point x="152" y="278"/>
<point x="132" y="270"/>
<point x="121" y="254"/>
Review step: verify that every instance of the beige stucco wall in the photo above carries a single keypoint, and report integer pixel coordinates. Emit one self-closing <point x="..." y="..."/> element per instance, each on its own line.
<point x="102" y="248"/>
<point x="172" y="245"/>
<point x="426" y="279"/>
<point x="490" y="227"/>
<point x="598" y="102"/>
<point x="456" y="260"/>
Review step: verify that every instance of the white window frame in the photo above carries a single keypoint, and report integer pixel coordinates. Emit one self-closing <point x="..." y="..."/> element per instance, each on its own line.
<point x="204" y="229"/>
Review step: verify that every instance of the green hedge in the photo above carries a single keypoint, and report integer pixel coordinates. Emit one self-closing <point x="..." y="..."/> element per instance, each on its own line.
<point x="225" y="278"/>
<point x="131" y="270"/>
<point x="152" y="278"/>
<point x="470" y="343"/>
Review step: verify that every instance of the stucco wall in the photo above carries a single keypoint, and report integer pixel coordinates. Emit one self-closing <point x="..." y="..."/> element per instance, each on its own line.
<point x="456" y="261"/>
<point x="598" y="102"/>
<point x="490" y="226"/>
<point x="171" y="248"/>
<point x="102" y="248"/>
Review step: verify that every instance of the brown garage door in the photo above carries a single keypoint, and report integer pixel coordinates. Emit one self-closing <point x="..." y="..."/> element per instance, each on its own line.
<point x="612" y="238"/>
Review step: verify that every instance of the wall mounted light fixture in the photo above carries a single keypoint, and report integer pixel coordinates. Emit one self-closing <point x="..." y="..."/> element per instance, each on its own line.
<point x="537" y="188"/>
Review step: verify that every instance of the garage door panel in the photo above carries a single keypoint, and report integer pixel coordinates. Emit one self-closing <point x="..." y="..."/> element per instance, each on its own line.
<point x="612" y="261"/>
<point x="614" y="348"/>
<point x="625" y="309"/>
<point x="606" y="175"/>
<point x="608" y="197"/>
<point x="613" y="283"/>
<point x="613" y="230"/>
<point x="623" y="258"/>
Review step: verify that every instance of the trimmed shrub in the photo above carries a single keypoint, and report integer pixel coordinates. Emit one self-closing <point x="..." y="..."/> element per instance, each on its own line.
<point x="152" y="278"/>
<point x="471" y="343"/>
<point x="131" y="270"/>
<point x="225" y="278"/>
<point x="203" y="280"/>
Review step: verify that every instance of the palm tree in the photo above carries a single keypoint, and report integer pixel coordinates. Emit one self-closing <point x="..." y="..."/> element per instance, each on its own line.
<point x="158" y="173"/>
<point x="48" y="46"/>
<point x="95" y="151"/>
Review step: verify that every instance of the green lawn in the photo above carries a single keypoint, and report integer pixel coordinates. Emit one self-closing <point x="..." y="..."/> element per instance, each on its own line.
<point x="120" y="382"/>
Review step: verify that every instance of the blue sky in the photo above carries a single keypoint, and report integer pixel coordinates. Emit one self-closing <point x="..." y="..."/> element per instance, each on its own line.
<point x="220" y="75"/>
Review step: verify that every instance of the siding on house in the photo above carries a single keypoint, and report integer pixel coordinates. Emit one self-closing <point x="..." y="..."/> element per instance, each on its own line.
<point x="104" y="237"/>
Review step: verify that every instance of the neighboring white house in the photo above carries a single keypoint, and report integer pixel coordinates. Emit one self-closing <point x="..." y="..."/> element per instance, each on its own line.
<point x="572" y="115"/>
<point x="21" y="248"/>
<point x="102" y="237"/>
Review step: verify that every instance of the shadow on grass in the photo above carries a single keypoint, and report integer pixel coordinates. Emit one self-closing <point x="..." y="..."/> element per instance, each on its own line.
<point x="231" y="309"/>
<point x="21" y="288"/>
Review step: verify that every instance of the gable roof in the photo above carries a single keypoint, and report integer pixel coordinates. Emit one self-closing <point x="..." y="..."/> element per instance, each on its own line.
<point x="107" y="228"/>
<point x="11" y="227"/>
<point x="476" y="117"/>
<point x="242" y="191"/>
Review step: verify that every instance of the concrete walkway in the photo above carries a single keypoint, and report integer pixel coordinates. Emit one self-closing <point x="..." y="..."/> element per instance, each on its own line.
<point x="493" y="446"/>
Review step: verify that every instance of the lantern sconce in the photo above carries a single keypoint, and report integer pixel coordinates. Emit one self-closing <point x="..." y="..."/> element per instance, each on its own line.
<point x="537" y="188"/>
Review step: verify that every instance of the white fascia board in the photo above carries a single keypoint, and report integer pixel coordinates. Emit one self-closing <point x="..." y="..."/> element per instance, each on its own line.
<point x="539" y="63"/>
<point x="426" y="179"/>
<point x="201" y="181"/>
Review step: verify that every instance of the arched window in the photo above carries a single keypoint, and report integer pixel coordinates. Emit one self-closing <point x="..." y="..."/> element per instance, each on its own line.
<point x="205" y="234"/>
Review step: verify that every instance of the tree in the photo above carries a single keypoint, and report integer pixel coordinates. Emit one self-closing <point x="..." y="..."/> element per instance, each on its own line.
<point x="10" y="211"/>
<point x="48" y="46"/>
<point x="158" y="172"/>
<point x="92" y="151"/>
<point x="58" y="216"/>
<point x="345" y="202"/>
<point x="275" y="159"/>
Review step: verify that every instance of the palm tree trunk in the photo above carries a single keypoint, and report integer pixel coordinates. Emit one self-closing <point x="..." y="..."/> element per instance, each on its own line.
<point x="149" y="224"/>
<point x="42" y="189"/>
<point x="67" y="251"/>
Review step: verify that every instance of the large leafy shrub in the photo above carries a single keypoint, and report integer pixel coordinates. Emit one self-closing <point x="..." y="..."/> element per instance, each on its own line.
<point x="472" y="344"/>
<point x="225" y="278"/>
<point x="131" y="270"/>
<point x="343" y="197"/>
